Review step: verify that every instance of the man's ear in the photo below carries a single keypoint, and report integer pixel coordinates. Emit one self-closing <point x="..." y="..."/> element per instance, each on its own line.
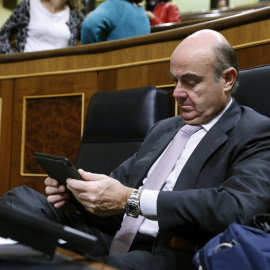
<point x="229" y="76"/>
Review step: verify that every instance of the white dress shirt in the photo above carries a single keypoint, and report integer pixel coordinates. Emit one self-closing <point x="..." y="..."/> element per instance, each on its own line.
<point x="46" y="31"/>
<point x="148" y="199"/>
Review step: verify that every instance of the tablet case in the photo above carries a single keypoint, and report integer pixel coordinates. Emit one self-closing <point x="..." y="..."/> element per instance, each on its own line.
<point x="57" y="167"/>
<point x="60" y="168"/>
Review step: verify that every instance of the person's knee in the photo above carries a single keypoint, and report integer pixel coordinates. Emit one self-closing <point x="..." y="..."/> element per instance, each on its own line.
<point x="20" y="190"/>
<point x="22" y="197"/>
<point x="137" y="259"/>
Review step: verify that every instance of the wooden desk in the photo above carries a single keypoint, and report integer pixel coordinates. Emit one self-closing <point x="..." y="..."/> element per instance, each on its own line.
<point x="79" y="258"/>
<point x="44" y="95"/>
<point x="18" y="256"/>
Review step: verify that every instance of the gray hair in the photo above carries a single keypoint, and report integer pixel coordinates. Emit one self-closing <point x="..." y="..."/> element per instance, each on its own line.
<point x="225" y="58"/>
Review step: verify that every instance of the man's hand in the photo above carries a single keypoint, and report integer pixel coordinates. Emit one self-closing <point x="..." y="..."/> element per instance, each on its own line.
<point x="99" y="194"/>
<point x="57" y="195"/>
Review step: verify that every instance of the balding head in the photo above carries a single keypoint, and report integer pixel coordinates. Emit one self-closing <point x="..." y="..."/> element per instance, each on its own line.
<point x="204" y="68"/>
<point x="214" y="47"/>
<point x="204" y="39"/>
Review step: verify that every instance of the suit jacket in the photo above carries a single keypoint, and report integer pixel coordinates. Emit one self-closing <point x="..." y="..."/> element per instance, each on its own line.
<point x="225" y="180"/>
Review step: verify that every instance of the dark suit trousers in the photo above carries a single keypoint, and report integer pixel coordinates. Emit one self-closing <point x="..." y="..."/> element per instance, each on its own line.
<point x="28" y="199"/>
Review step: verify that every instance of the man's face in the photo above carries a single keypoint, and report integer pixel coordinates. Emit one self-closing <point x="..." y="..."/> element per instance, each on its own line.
<point x="199" y="96"/>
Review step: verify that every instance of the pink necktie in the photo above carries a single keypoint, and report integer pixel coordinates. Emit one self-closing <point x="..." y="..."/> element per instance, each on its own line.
<point x="130" y="226"/>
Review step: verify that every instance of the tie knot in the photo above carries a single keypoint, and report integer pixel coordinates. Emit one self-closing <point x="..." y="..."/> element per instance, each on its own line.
<point x="190" y="129"/>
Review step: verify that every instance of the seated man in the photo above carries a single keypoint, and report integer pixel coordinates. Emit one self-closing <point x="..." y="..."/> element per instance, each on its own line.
<point x="174" y="207"/>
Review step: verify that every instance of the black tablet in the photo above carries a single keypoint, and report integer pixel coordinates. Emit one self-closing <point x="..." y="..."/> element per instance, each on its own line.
<point x="60" y="168"/>
<point x="57" y="167"/>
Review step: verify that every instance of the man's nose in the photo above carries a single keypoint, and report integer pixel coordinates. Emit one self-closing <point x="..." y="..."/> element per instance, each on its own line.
<point x="179" y="92"/>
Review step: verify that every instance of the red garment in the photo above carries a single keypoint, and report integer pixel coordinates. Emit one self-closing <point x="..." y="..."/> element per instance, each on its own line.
<point x="165" y="13"/>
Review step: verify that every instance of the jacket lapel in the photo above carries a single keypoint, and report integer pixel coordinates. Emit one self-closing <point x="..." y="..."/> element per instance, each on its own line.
<point x="214" y="138"/>
<point x="143" y="164"/>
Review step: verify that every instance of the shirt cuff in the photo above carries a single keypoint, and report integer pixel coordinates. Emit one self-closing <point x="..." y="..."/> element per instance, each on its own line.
<point x="148" y="203"/>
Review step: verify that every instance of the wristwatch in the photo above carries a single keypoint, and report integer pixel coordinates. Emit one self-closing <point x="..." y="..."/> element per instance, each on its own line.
<point x="132" y="206"/>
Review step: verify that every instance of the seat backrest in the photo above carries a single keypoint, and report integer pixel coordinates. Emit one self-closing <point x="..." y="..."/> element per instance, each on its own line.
<point x="116" y="124"/>
<point x="254" y="89"/>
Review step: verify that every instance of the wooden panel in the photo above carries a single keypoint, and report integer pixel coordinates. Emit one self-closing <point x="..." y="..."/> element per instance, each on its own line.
<point x="90" y="62"/>
<point x="154" y="74"/>
<point x="107" y="80"/>
<point x="253" y="56"/>
<point x="6" y="96"/>
<point x="239" y="30"/>
<point x="113" y="65"/>
<point x="38" y="87"/>
<point x="49" y="125"/>
<point x="137" y="76"/>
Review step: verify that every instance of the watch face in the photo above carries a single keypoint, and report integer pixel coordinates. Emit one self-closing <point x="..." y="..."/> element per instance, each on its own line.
<point x="132" y="209"/>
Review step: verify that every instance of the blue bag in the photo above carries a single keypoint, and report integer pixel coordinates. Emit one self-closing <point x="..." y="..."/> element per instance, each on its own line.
<point x="239" y="247"/>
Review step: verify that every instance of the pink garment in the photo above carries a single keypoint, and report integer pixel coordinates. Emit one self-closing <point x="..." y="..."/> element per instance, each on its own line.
<point x="165" y="13"/>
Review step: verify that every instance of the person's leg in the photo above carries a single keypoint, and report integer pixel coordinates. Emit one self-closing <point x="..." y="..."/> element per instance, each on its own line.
<point x="134" y="260"/>
<point x="29" y="200"/>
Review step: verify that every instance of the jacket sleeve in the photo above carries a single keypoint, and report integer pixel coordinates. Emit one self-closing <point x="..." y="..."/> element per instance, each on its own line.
<point x="11" y="27"/>
<point x="170" y="13"/>
<point x="232" y="186"/>
<point x="173" y="14"/>
<point x="75" y="24"/>
<point x="99" y="23"/>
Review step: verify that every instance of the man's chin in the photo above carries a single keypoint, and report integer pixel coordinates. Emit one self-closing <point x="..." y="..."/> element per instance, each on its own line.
<point x="191" y="122"/>
<point x="190" y="119"/>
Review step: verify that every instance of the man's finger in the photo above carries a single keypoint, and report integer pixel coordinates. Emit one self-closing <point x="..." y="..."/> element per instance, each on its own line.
<point x="88" y="176"/>
<point x="51" y="182"/>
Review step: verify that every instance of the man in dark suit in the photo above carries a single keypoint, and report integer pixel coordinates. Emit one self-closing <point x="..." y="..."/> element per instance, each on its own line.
<point x="222" y="176"/>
